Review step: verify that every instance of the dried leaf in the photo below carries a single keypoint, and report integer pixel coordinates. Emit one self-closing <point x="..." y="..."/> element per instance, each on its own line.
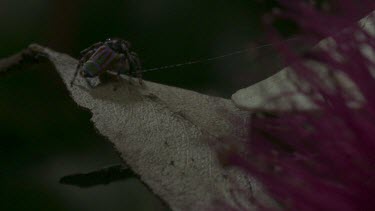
<point x="166" y="135"/>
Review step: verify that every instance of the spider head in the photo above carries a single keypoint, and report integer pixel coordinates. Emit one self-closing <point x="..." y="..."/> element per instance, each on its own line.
<point x="118" y="45"/>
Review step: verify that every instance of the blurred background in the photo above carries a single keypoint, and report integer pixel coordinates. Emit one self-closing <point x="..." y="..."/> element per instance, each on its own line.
<point x="45" y="136"/>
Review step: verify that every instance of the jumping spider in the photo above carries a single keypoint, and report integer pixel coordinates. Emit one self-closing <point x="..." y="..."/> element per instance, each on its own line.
<point x="112" y="55"/>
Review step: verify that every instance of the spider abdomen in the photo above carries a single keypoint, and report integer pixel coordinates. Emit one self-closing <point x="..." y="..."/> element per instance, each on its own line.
<point x="103" y="59"/>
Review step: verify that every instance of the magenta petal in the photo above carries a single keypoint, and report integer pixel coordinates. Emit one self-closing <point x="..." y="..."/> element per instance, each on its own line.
<point x="322" y="160"/>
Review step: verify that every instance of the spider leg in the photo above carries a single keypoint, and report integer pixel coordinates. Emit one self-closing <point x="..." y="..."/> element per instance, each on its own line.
<point x="127" y="61"/>
<point x="89" y="83"/>
<point x="76" y="72"/>
<point x="135" y="64"/>
<point x="125" y="46"/>
<point x="80" y="63"/>
<point x="123" y="61"/>
<point x="92" y="47"/>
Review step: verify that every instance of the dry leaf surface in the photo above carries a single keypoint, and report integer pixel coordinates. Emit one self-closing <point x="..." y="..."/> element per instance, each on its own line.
<point x="165" y="134"/>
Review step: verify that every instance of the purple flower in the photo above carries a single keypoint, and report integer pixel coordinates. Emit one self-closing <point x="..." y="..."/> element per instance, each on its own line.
<point x="322" y="159"/>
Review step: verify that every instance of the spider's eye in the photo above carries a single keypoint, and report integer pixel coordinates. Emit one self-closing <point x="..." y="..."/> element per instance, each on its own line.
<point x="108" y="39"/>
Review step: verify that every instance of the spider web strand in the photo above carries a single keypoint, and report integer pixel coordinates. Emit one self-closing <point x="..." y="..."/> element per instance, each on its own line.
<point x="242" y="51"/>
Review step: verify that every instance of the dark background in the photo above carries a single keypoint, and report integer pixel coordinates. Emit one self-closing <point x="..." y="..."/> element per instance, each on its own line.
<point x="44" y="135"/>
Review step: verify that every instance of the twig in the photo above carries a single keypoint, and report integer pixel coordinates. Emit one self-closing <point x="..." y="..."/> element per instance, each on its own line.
<point x="102" y="176"/>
